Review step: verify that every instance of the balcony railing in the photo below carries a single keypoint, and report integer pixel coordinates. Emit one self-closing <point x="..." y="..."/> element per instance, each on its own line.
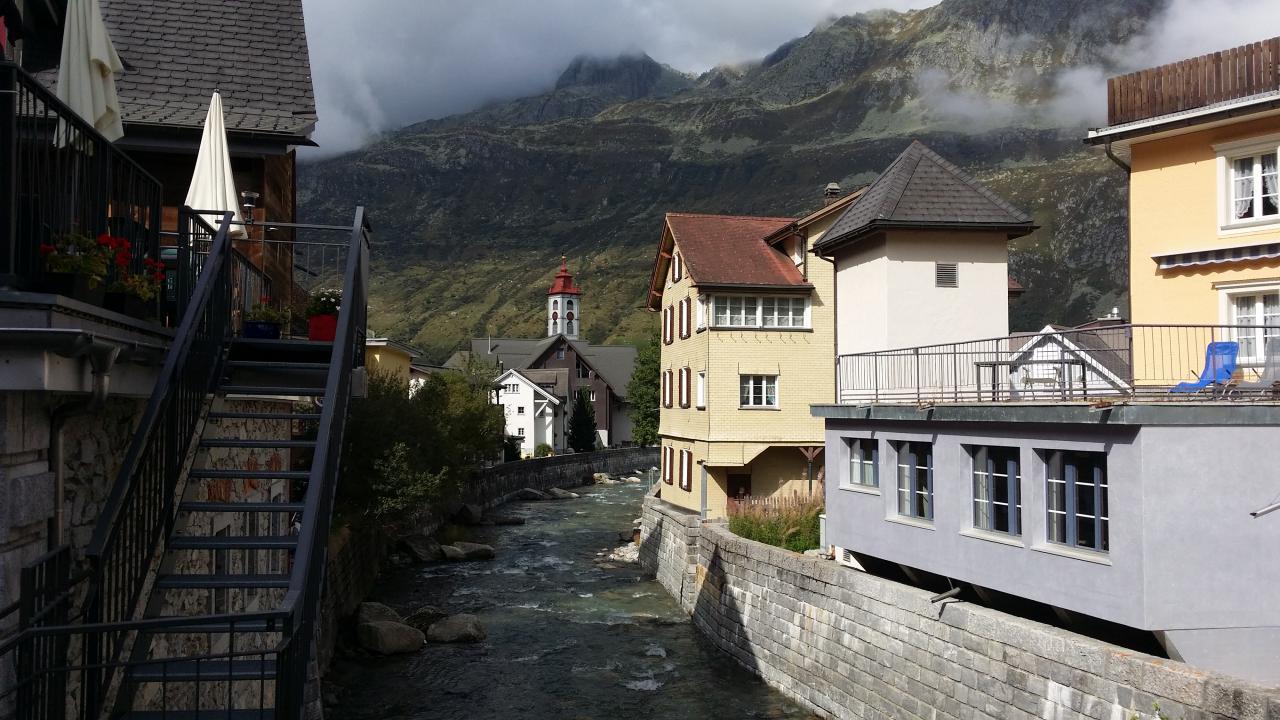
<point x="1070" y="365"/>
<point x="60" y="177"/>
<point x="1219" y="76"/>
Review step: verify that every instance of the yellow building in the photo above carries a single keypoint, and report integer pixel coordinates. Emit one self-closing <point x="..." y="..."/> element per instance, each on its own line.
<point x="387" y="356"/>
<point x="1200" y="140"/>
<point x="748" y="323"/>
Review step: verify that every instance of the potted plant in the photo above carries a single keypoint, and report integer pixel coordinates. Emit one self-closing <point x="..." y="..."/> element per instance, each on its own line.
<point x="322" y="315"/>
<point x="75" y="265"/>
<point x="263" y="321"/>
<point x="134" y="294"/>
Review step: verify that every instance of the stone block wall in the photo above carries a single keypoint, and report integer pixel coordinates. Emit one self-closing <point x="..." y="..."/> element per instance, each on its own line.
<point x="847" y="644"/>
<point x="669" y="547"/>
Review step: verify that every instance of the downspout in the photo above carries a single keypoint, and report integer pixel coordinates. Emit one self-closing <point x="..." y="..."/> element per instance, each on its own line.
<point x="102" y="357"/>
<point x="1116" y="159"/>
<point x="835" y="332"/>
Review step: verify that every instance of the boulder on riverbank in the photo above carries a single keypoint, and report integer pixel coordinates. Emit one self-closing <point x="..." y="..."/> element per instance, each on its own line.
<point x="424" y="617"/>
<point x="475" y="551"/>
<point x="385" y="637"/>
<point x="371" y="612"/>
<point x="503" y="520"/>
<point x="604" y="479"/>
<point x="469" y="514"/>
<point x="422" y="548"/>
<point x="529" y="494"/>
<point x="453" y="554"/>
<point x="456" y="628"/>
<point x="558" y="494"/>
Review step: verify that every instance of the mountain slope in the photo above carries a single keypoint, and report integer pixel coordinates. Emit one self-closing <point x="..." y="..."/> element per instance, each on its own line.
<point x="473" y="211"/>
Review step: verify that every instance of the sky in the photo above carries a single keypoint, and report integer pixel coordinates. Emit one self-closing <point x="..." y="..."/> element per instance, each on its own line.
<point x="383" y="64"/>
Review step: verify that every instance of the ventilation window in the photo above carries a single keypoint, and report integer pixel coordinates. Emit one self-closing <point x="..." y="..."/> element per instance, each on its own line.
<point x="946" y="275"/>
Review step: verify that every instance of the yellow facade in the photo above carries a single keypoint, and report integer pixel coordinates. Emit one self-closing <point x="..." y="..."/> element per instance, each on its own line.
<point x="388" y="359"/>
<point x="730" y="440"/>
<point x="1178" y="197"/>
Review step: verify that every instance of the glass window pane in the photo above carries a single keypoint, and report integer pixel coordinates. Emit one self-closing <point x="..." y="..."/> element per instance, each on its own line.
<point x="769" y="310"/>
<point x="770" y="386"/>
<point x="749" y="308"/>
<point x="1242" y="188"/>
<point x="1270" y="186"/>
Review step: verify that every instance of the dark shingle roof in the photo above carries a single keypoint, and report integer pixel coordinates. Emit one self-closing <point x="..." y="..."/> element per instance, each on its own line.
<point x="921" y="189"/>
<point x="614" y="363"/>
<point x="177" y="52"/>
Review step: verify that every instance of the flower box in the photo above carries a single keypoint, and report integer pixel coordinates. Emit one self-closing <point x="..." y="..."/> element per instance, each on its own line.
<point x="261" y="330"/>
<point x="322" y="327"/>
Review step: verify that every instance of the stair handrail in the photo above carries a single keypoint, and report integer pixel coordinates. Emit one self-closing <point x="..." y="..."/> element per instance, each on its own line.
<point x="307" y="575"/>
<point x="120" y="554"/>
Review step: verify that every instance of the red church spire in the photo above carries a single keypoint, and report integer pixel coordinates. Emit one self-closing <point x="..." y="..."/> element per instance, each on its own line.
<point x="563" y="284"/>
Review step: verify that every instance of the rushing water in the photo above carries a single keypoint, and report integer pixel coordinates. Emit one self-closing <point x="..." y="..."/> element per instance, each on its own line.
<point x="570" y="635"/>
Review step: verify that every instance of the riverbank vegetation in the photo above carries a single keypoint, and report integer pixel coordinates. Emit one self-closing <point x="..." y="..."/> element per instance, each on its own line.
<point x="406" y="452"/>
<point x="785" y="522"/>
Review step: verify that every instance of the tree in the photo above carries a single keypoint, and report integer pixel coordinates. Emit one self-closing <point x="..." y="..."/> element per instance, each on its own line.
<point x="642" y="394"/>
<point x="582" y="424"/>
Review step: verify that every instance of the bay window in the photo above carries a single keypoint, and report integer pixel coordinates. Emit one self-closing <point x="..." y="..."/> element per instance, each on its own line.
<point x="744" y="311"/>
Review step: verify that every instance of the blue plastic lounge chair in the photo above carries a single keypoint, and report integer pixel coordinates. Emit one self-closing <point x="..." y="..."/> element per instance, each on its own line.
<point x="1219" y="365"/>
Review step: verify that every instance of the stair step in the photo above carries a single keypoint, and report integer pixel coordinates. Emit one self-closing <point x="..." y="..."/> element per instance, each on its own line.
<point x="196" y="582"/>
<point x="225" y="473"/>
<point x="265" y="714"/>
<point x="276" y="365"/>
<point x="271" y="390"/>
<point x="238" y="443"/>
<point x="179" y="670"/>
<point x="218" y="628"/>
<point x="233" y="542"/>
<point x="218" y="507"/>
<point x="221" y="415"/>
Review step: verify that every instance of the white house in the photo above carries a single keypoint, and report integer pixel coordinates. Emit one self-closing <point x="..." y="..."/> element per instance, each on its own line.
<point x="533" y="412"/>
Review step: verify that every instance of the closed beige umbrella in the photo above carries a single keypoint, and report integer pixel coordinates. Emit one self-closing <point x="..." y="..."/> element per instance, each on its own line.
<point x="86" y="81"/>
<point x="212" y="186"/>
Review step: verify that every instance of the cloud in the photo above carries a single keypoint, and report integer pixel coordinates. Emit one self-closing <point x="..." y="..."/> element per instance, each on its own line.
<point x="383" y="64"/>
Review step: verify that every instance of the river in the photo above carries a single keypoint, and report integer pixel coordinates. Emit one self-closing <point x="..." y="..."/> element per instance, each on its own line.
<point x="570" y="636"/>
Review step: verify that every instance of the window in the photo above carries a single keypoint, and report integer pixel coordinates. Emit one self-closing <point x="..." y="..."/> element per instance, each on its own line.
<point x="685" y="305"/>
<point x="997" y="495"/>
<point x="1077" y="499"/>
<point x="864" y="462"/>
<point x="1254" y="191"/>
<point x="668" y="315"/>
<point x="560" y="354"/>
<point x="667" y="382"/>
<point x="702" y="389"/>
<point x="782" y="312"/>
<point x="702" y="312"/>
<point x="946" y="275"/>
<point x="520" y="410"/>
<point x="686" y="470"/>
<point x="685" y="381"/>
<point x="758" y="391"/>
<point x="520" y="432"/>
<point x="668" y="463"/>
<point x="915" y="479"/>
<point x="677" y="268"/>
<point x="1258" y="310"/>
<point x="731" y="311"/>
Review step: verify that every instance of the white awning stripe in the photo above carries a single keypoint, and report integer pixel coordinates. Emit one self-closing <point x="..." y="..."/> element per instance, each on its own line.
<point x="1222" y="255"/>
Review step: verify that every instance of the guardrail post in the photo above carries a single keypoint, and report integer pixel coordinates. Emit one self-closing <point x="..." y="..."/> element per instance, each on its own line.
<point x="916" y="353"/>
<point x="8" y="173"/>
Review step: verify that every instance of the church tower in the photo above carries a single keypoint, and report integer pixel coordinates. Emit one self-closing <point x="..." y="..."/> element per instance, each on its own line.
<point x="564" y="305"/>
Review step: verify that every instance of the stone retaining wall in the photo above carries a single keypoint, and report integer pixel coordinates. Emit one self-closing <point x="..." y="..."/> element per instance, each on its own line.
<point x="851" y="645"/>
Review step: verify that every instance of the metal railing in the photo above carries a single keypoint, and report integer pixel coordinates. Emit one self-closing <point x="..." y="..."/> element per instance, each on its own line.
<point x="272" y="650"/>
<point x="1083" y="364"/>
<point x="59" y="176"/>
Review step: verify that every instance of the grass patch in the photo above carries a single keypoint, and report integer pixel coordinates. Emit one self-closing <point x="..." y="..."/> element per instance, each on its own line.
<point x="789" y="522"/>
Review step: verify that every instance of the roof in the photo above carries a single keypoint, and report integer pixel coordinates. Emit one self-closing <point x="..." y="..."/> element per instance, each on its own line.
<point x="177" y="52"/>
<point x="563" y="284"/>
<point x="920" y="189"/>
<point x="409" y="350"/>
<point x="613" y="363"/>
<point x="726" y="250"/>
<point x="532" y="383"/>
<point x="557" y="378"/>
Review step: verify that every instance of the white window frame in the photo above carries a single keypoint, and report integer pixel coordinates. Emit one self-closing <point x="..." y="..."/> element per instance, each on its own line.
<point x="520" y="410"/>
<point x="858" y="462"/>
<point x="1228" y="153"/>
<point x="766" y="380"/>
<point x="702" y="312"/>
<point x="1227" y="295"/>
<point x="702" y="390"/>
<point x="677" y="267"/>
<point x="685" y="390"/>
<point x="520" y="432"/>
<point x="757" y="323"/>
<point x="592" y="395"/>
<point x="683" y="320"/>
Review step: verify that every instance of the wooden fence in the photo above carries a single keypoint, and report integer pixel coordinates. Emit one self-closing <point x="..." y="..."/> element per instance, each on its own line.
<point x="1226" y="75"/>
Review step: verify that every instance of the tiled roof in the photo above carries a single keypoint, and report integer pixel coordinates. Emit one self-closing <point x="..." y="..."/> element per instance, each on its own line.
<point x="177" y="52"/>
<point x="921" y="189"/>
<point x="730" y="250"/>
<point x="563" y="284"/>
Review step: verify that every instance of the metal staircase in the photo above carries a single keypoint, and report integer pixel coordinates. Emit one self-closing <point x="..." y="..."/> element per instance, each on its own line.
<point x="206" y="567"/>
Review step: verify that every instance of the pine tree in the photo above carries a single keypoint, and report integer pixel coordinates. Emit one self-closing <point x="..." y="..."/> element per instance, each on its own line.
<point x="582" y="424"/>
<point x="642" y="394"/>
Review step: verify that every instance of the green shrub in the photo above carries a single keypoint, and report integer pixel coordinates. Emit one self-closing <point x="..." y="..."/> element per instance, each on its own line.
<point x="543" y="450"/>
<point x="790" y="523"/>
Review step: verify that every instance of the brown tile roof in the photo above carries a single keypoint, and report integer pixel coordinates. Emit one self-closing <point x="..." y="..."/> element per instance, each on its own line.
<point x="730" y="250"/>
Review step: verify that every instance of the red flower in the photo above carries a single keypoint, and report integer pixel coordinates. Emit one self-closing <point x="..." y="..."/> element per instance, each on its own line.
<point x="47" y="249"/>
<point x="159" y="276"/>
<point x="264" y="299"/>
<point x="105" y="240"/>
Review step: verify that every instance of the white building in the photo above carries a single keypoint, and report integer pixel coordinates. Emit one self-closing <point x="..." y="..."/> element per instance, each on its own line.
<point x="533" y="411"/>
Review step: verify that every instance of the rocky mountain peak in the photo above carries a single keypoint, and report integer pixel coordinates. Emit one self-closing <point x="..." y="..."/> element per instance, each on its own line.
<point x="631" y="76"/>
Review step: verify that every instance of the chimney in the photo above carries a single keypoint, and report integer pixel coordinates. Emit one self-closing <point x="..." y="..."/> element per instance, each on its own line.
<point x="831" y="193"/>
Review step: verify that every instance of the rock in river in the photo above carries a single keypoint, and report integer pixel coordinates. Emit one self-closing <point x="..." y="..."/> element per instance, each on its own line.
<point x="529" y="494"/>
<point x="371" y="612"/>
<point x="456" y="628"/>
<point x="389" y="638"/>
<point x="558" y="494"/>
<point x="424" y="617"/>
<point x="475" y="551"/>
<point x="470" y="514"/>
<point x="453" y="554"/>
<point x="423" y="548"/>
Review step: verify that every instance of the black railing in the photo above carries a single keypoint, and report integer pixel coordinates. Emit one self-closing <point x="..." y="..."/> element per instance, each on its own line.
<point x="273" y="649"/>
<point x="60" y="177"/>
<point x="140" y="511"/>
<point x="1113" y="361"/>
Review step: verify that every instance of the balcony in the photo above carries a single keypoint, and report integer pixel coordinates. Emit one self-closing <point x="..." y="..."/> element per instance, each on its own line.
<point x="1096" y="365"/>
<point x="1198" y="82"/>
<point x="63" y="185"/>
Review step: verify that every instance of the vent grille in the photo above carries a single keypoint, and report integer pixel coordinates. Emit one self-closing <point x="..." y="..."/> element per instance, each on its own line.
<point x="946" y="275"/>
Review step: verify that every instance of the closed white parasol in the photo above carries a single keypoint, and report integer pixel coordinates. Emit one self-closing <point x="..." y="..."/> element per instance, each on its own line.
<point x="85" y="74"/>
<point x="212" y="186"/>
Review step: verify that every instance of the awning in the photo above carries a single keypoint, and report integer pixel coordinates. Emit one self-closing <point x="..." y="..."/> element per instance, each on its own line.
<point x="1216" y="256"/>
<point x="212" y="185"/>
<point x="85" y="72"/>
